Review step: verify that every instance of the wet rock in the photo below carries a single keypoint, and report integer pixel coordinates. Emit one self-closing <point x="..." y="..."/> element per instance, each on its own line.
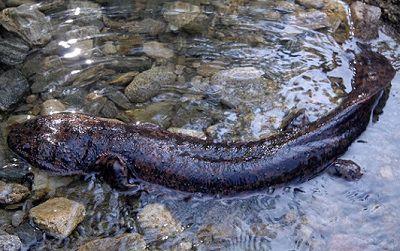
<point x="311" y="4"/>
<point x="179" y="14"/>
<point x="10" y="242"/>
<point x="366" y="20"/>
<point x="28" y="22"/>
<point x="79" y="39"/>
<point x="109" y="110"/>
<point x="263" y="230"/>
<point x="28" y="234"/>
<point x="43" y="181"/>
<point x="313" y="19"/>
<point x="149" y="83"/>
<point x="157" y="222"/>
<point x="109" y="48"/>
<point x="386" y="172"/>
<point x="390" y="9"/>
<point x="158" y="113"/>
<point x="18" y="217"/>
<point x="346" y="169"/>
<point x="16" y="3"/>
<point x="52" y="106"/>
<point x="124" y="78"/>
<point x="130" y="241"/>
<point x="58" y="216"/>
<point x="338" y="20"/>
<point x="13" y="50"/>
<point x="2" y="4"/>
<point x="188" y="132"/>
<point x="118" y="98"/>
<point x="85" y="12"/>
<point x="125" y="64"/>
<point x="209" y="69"/>
<point x="13" y="87"/>
<point x="157" y="50"/>
<point x="11" y="193"/>
<point x="148" y="26"/>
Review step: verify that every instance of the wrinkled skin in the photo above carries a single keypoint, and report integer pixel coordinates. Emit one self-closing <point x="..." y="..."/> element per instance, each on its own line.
<point x="67" y="144"/>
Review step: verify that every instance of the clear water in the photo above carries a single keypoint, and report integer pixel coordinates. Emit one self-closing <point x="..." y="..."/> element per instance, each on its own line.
<point x="242" y="69"/>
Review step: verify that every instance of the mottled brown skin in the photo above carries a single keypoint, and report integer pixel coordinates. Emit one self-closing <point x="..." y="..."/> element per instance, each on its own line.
<point x="67" y="144"/>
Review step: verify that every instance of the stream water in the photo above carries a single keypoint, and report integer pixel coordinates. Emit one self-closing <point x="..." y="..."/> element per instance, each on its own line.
<point x="226" y="70"/>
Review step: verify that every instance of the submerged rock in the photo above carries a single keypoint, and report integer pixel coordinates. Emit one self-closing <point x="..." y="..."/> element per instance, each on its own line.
<point x="155" y="49"/>
<point x="13" y="50"/>
<point x="52" y="106"/>
<point x="13" y="87"/>
<point x="58" y="216"/>
<point x="179" y="14"/>
<point x="366" y="20"/>
<point x="10" y="242"/>
<point x="28" y="22"/>
<point x="149" y="83"/>
<point x="11" y="193"/>
<point x="346" y="169"/>
<point x="130" y="241"/>
<point x="157" y="222"/>
<point x="390" y="9"/>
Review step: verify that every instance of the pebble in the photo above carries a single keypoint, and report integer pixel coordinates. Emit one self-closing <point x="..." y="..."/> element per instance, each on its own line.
<point x="311" y="4"/>
<point x="11" y="193"/>
<point x="28" y="22"/>
<point x="52" y="106"/>
<point x="346" y="169"/>
<point x="157" y="50"/>
<point x="366" y="20"/>
<point x="157" y="222"/>
<point x="58" y="216"/>
<point x="148" y="84"/>
<point x="129" y="241"/>
<point x="13" y="50"/>
<point x="10" y="242"/>
<point x="13" y="87"/>
<point x="178" y="14"/>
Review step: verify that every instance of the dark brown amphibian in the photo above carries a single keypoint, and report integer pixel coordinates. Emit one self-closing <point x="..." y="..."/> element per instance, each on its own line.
<point x="67" y="144"/>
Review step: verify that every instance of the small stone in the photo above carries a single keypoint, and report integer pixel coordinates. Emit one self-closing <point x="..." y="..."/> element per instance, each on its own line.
<point x="10" y="242"/>
<point x="178" y="14"/>
<point x="11" y="193"/>
<point x="157" y="221"/>
<point x="188" y="132"/>
<point x="13" y="50"/>
<point x="18" y="217"/>
<point x="13" y="87"/>
<point x="149" y="83"/>
<point x="157" y="50"/>
<point x="346" y="169"/>
<point x="124" y="78"/>
<point x="311" y="4"/>
<point x="28" y="22"/>
<point x="130" y="241"/>
<point x="366" y="20"/>
<point x="109" y="48"/>
<point x="52" y="106"/>
<point x="58" y="216"/>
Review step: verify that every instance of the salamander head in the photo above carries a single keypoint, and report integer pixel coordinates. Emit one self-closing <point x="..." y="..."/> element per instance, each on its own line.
<point x="56" y="143"/>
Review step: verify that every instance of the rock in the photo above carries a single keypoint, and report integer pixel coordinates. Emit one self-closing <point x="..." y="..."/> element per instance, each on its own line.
<point x="13" y="87"/>
<point x="130" y="241"/>
<point x="149" y="83"/>
<point x="157" y="50"/>
<point x="28" y="22"/>
<point x="386" y="172"/>
<point x="16" y="3"/>
<point x="79" y="39"/>
<point x="311" y="4"/>
<point x="2" y="4"/>
<point x="313" y="19"/>
<point x="58" y="216"/>
<point x="346" y="169"/>
<point x="366" y="20"/>
<point x="11" y="193"/>
<point x="118" y="98"/>
<point x="109" y="48"/>
<point x="338" y="19"/>
<point x="157" y="222"/>
<point x="52" y="106"/>
<point x="13" y="50"/>
<point x="85" y="12"/>
<point x="390" y="9"/>
<point x="18" y="217"/>
<point x="124" y="78"/>
<point x="148" y="26"/>
<point x="179" y="14"/>
<point x="43" y="181"/>
<point x="159" y="113"/>
<point x="188" y="132"/>
<point x="10" y="242"/>
<point x="209" y="69"/>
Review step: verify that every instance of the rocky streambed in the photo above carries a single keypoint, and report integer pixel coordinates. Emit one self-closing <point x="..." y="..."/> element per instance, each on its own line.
<point x="224" y="70"/>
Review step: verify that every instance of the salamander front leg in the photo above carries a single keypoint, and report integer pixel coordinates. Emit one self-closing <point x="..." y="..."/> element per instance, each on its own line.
<point x="114" y="171"/>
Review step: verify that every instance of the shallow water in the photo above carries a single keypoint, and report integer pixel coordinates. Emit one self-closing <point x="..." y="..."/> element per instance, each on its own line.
<point x="241" y="70"/>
